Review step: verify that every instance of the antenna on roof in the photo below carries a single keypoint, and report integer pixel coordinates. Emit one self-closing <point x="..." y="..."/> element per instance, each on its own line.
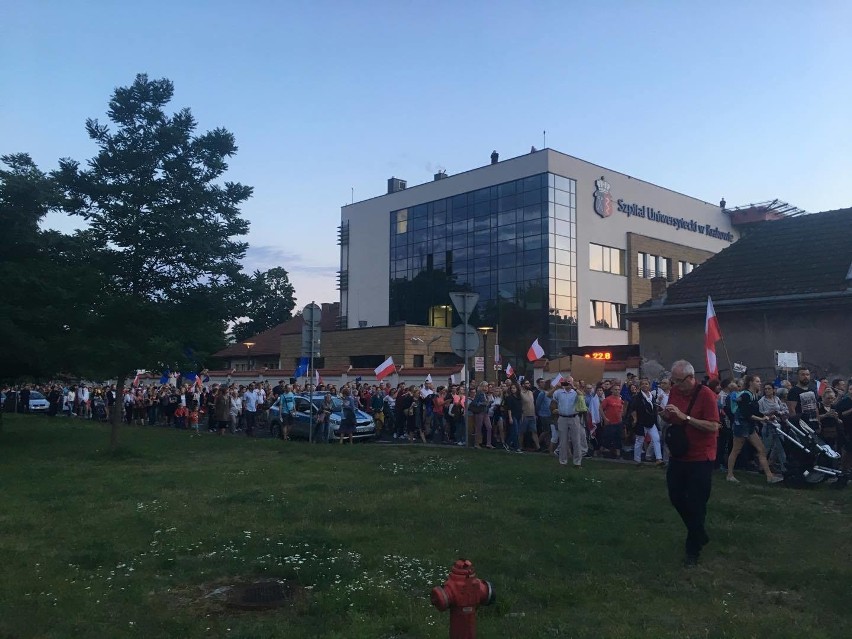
<point x="544" y="139"/>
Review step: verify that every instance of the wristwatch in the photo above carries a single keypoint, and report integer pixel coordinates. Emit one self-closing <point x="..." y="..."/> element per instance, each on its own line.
<point x="688" y="419"/>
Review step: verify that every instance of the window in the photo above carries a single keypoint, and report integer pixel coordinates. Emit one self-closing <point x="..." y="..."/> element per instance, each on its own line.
<point x="402" y="221"/>
<point x="606" y="259"/>
<point x="608" y="315"/>
<point x="441" y="316"/>
<point x="647" y="265"/>
<point x="418" y="361"/>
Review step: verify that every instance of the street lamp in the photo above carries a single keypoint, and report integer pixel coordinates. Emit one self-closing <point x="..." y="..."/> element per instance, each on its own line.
<point x="248" y="346"/>
<point x="484" y="330"/>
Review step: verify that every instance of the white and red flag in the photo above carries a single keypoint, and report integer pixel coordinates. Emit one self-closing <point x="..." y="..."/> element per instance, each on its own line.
<point x="385" y="369"/>
<point x="509" y="370"/>
<point x="317" y="378"/>
<point x="712" y="334"/>
<point x="556" y="380"/>
<point x="535" y="352"/>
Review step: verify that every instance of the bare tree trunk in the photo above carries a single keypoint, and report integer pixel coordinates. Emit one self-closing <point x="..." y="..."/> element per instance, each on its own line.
<point x="117" y="414"/>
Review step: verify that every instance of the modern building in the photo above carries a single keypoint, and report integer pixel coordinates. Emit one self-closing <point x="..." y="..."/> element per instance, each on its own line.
<point x="785" y="286"/>
<point x="557" y="248"/>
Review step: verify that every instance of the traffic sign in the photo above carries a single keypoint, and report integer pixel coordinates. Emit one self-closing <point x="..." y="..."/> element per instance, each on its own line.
<point x="312" y="314"/>
<point x="464" y="340"/>
<point x="464" y="303"/>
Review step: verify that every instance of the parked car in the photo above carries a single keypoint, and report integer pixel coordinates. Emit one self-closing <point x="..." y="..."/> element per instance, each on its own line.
<point x="38" y="402"/>
<point x="365" y="427"/>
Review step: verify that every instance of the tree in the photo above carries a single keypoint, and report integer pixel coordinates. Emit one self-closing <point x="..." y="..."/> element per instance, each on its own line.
<point x="35" y="298"/>
<point x="267" y="301"/>
<point x="160" y="238"/>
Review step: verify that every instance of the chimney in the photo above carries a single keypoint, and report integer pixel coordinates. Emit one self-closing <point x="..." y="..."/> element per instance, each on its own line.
<point x="441" y="175"/>
<point x="658" y="288"/>
<point x="495" y="157"/>
<point x="395" y="184"/>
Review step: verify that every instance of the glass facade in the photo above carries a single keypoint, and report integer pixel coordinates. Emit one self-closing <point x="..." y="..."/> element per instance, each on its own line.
<point x="513" y="243"/>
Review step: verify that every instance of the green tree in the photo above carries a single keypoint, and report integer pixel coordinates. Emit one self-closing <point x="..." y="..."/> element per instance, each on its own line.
<point x="35" y="295"/>
<point x="267" y="301"/>
<point x="161" y="237"/>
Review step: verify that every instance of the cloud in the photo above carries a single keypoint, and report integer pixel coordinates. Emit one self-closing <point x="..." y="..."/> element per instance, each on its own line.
<point x="265" y="257"/>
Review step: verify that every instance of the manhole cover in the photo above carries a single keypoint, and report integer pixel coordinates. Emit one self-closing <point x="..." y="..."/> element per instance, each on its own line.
<point x="259" y="595"/>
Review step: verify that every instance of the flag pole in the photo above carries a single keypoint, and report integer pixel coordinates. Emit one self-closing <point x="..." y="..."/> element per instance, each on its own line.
<point x="727" y="357"/>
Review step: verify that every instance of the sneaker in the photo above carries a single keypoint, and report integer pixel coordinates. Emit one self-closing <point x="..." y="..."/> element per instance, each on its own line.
<point x="774" y="479"/>
<point x="733" y="479"/>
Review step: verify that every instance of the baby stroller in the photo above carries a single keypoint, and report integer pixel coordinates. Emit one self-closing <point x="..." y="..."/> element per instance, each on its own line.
<point x="809" y="459"/>
<point x="99" y="409"/>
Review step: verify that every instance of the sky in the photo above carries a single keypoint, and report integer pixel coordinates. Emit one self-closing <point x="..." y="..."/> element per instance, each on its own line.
<point x="748" y="101"/>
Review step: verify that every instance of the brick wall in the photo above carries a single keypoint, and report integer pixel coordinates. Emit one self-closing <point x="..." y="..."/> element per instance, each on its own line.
<point x="639" y="288"/>
<point x="401" y="342"/>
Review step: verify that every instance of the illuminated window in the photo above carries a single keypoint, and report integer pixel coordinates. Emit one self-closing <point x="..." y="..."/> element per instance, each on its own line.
<point x="402" y="221"/>
<point x="441" y="316"/>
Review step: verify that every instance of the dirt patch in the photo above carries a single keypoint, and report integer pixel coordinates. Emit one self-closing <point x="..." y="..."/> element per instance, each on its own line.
<point x="239" y="595"/>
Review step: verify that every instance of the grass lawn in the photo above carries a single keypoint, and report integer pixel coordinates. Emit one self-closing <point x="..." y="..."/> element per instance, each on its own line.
<point x="136" y="544"/>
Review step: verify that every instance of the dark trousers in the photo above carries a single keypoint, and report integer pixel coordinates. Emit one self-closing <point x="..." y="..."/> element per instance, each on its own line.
<point x="250" y="421"/>
<point x="689" y="490"/>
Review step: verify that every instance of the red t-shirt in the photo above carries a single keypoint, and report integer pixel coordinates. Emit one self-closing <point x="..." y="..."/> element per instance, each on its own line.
<point x="702" y="444"/>
<point x="612" y="407"/>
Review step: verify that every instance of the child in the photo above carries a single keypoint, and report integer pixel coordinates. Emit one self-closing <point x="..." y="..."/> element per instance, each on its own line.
<point x="180" y="416"/>
<point x="194" y="417"/>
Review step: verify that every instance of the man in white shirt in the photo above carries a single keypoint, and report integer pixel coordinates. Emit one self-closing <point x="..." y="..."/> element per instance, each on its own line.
<point x="250" y="409"/>
<point x="83" y="401"/>
<point x="569" y="425"/>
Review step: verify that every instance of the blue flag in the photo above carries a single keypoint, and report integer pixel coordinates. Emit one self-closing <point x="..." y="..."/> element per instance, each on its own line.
<point x="302" y="368"/>
<point x="164" y="378"/>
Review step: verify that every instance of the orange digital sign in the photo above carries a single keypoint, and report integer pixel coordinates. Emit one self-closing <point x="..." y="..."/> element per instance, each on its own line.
<point x="604" y="355"/>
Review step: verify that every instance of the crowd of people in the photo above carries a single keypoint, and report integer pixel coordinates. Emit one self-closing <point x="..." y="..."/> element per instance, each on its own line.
<point x="611" y="418"/>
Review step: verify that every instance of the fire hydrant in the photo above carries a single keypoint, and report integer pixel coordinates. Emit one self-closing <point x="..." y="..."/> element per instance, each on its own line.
<point x="462" y="593"/>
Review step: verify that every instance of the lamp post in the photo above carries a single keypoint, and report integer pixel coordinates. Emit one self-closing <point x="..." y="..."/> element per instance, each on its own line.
<point x="484" y="330"/>
<point x="248" y="346"/>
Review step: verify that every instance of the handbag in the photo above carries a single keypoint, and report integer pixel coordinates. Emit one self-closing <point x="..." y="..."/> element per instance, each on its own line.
<point x="676" y="439"/>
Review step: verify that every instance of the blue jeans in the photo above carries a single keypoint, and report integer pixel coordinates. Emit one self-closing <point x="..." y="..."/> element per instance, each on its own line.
<point x="514" y="426"/>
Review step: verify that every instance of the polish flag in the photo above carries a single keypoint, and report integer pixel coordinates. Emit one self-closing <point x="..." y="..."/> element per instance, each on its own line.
<point x="556" y="380"/>
<point x="821" y="388"/>
<point x="385" y="369"/>
<point x="509" y="370"/>
<point x="199" y="381"/>
<point x="317" y="378"/>
<point x="535" y="352"/>
<point x="712" y="334"/>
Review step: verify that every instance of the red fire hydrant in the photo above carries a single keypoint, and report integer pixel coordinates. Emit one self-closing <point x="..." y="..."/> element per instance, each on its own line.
<point x="462" y="593"/>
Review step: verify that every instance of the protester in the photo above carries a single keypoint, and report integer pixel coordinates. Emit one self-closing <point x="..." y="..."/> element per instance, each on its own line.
<point x="571" y="431"/>
<point x="746" y="420"/>
<point x="643" y="411"/>
<point x="689" y="477"/>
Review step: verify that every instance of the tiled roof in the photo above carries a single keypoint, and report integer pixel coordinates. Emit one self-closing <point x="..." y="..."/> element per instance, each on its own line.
<point x="269" y="341"/>
<point x="795" y="256"/>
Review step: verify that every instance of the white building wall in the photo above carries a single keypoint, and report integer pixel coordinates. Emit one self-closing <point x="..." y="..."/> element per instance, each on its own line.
<point x="612" y="231"/>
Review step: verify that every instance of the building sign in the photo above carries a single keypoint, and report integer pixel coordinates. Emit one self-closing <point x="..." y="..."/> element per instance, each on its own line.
<point x="603" y="207"/>
<point x="479" y="364"/>
<point x="653" y="215"/>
